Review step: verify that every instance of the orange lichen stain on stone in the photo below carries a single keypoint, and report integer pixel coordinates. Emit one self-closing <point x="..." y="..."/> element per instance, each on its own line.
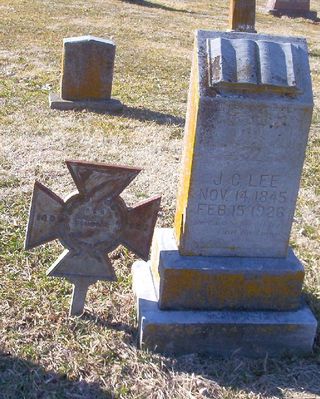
<point x="92" y="87"/>
<point x="203" y="289"/>
<point x="88" y="79"/>
<point x="189" y="143"/>
<point x="282" y="286"/>
<point x="228" y="290"/>
<point x="95" y="87"/>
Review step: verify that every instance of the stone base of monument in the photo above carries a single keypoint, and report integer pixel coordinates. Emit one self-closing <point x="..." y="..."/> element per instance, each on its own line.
<point x="221" y="305"/>
<point x="217" y="282"/>
<point x="111" y="105"/>
<point x="221" y="333"/>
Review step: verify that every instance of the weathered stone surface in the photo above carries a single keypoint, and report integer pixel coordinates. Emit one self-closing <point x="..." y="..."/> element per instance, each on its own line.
<point x="291" y="8"/>
<point x="111" y="105"/>
<point x="243" y="15"/>
<point x="249" y="112"/>
<point x="223" y="333"/>
<point x="227" y="284"/>
<point x="244" y="65"/>
<point x="87" y="68"/>
<point x="200" y="282"/>
<point x="91" y="223"/>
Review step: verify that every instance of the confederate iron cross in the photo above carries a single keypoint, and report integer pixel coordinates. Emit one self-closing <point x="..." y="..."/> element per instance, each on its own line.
<point x="90" y="223"/>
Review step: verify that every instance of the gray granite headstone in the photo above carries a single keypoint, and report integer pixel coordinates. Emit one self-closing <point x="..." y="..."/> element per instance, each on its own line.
<point x="243" y="160"/>
<point x="87" y="75"/>
<point x="224" y="280"/>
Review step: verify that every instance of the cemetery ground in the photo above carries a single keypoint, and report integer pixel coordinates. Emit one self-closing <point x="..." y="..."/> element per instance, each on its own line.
<point x="43" y="352"/>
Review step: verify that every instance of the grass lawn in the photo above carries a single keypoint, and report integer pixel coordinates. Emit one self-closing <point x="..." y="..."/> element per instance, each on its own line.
<point x="43" y="353"/>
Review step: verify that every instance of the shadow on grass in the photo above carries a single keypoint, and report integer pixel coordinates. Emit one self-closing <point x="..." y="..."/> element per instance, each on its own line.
<point x="314" y="303"/>
<point x="150" y="4"/>
<point x="307" y="16"/>
<point x="22" y="379"/>
<point x="269" y="377"/>
<point x="283" y="377"/>
<point x="117" y="326"/>
<point x="276" y="378"/>
<point x="144" y="114"/>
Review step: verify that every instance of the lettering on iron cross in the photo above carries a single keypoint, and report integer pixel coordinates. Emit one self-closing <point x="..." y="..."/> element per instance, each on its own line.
<point x="89" y="224"/>
<point x="243" y="15"/>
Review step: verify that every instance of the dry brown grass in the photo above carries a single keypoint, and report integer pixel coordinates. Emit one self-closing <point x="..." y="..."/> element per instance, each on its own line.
<point x="43" y="354"/>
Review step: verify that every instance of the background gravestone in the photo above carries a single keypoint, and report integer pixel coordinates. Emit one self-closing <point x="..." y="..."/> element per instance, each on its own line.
<point x="242" y="15"/>
<point x="291" y="8"/>
<point x="87" y="75"/>
<point x="224" y="280"/>
<point x="89" y="224"/>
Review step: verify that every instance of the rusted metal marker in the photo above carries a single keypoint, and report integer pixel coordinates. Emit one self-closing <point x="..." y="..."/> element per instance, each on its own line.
<point x="243" y="15"/>
<point x="90" y="223"/>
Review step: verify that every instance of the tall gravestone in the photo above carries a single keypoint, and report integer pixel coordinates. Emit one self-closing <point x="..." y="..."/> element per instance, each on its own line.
<point x="87" y="75"/>
<point x="291" y="8"/>
<point x="224" y="279"/>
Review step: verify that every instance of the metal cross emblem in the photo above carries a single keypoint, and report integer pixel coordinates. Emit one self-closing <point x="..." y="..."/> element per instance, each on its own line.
<point x="90" y="223"/>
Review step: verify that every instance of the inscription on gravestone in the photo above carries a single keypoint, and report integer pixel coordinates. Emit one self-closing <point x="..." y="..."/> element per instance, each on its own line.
<point x="241" y="179"/>
<point x="89" y="224"/>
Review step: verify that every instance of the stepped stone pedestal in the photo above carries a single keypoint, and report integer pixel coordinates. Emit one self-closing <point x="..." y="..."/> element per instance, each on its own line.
<point x="221" y="333"/>
<point x="222" y="306"/>
<point x="224" y="280"/>
<point x="207" y="282"/>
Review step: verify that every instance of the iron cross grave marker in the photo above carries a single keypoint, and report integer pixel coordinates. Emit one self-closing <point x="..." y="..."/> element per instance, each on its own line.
<point x="90" y="223"/>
